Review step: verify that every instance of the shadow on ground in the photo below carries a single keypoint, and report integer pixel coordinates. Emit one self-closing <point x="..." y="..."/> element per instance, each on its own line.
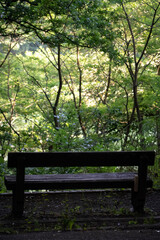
<point x="79" y="211"/>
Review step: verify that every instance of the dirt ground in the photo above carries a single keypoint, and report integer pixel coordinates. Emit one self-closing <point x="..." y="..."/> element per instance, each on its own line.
<point x="77" y="211"/>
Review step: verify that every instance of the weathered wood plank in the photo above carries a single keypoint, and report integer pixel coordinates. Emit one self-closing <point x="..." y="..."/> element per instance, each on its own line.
<point x="72" y="159"/>
<point x="76" y="181"/>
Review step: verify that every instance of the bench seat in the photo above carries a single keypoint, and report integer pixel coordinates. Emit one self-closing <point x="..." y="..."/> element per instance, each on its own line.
<point x="76" y="181"/>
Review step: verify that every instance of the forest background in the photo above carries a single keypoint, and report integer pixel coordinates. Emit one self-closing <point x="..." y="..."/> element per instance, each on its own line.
<point x="79" y="76"/>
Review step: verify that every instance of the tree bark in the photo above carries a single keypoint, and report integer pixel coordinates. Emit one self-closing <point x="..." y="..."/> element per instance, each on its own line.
<point x="158" y="132"/>
<point x="59" y="89"/>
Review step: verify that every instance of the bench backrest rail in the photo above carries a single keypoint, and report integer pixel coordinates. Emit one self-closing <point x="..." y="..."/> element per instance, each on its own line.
<point x="81" y="159"/>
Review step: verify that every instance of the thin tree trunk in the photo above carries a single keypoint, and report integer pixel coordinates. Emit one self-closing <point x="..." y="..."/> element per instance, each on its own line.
<point x="109" y="81"/>
<point x="77" y="103"/>
<point x="136" y="104"/>
<point x="80" y="95"/>
<point x="59" y="90"/>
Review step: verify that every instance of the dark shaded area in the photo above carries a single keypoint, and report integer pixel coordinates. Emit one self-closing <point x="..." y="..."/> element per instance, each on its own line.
<point x="79" y="211"/>
<point x="88" y="235"/>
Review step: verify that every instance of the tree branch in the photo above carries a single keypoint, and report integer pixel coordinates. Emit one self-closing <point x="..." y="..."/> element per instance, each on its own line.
<point x="8" y="122"/>
<point x="150" y="32"/>
<point x="131" y="31"/>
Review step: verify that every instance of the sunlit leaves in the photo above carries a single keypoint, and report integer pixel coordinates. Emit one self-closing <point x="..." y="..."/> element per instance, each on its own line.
<point x="106" y="49"/>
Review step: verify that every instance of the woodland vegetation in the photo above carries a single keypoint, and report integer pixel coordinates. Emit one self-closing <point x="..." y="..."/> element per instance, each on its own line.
<point x="79" y="76"/>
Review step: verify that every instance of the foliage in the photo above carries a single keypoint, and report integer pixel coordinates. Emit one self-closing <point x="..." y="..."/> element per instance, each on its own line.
<point x="79" y="76"/>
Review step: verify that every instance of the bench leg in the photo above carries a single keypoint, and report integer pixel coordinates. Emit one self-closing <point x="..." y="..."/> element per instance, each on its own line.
<point x="17" y="203"/>
<point x="138" y="201"/>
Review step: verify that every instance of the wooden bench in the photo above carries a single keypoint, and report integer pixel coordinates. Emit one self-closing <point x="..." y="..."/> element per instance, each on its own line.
<point x="138" y="182"/>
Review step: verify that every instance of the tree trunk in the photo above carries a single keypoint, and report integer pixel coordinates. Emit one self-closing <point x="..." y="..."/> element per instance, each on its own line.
<point x="59" y="90"/>
<point x="158" y="132"/>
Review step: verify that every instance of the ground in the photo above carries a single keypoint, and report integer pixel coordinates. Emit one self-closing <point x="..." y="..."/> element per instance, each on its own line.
<point x="89" y="210"/>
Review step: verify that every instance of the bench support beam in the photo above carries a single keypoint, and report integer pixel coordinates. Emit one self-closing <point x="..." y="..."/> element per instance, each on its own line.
<point x="18" y="192"/>
<point x="139" y="195"/>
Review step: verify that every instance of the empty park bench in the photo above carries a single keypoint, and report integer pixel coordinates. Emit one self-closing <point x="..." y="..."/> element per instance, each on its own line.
<point x="138" y="182"/>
